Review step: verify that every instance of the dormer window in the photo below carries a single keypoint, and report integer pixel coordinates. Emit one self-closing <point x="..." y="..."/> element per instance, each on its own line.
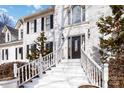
<point x="21" y="33"/>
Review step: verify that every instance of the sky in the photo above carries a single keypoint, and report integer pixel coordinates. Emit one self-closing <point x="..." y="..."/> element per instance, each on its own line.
<point x="17" y="11"/>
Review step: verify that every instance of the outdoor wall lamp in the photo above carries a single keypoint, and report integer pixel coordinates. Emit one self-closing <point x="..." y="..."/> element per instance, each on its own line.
<point x="88" y="33"/>
<point x="62" y="37"/>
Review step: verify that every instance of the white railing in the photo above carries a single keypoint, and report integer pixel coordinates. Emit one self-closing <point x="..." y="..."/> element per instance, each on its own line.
<point x="27" y="72"/>
<point x="94" y="72"/>
<point x="32" y="69"/>
<point x="48" y="62"/>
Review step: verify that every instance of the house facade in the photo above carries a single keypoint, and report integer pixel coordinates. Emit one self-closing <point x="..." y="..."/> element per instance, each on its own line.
<point x="68" y="28"/>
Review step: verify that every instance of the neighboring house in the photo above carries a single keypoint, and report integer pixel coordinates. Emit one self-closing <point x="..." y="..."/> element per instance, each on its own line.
<point x="66" y="26"/>
<point x="11" y="48"/>
<point x="16" y="42"/>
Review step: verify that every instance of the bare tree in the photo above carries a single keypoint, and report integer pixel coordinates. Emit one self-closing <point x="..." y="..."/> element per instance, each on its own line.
<point x="5" y="19"/>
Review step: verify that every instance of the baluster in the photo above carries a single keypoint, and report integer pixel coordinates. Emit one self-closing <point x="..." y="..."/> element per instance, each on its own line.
<point x="50" y="59"/>
<point x="36" y="67"/>
<point x="33" y="69"/>
<point x="19" y="76"/>
<point x="26" y="73"/>
<point x="22" y="75"/>
<point x="29" y="69"/>
<point x="100" y="78"/>
<point x="96" y="76"/>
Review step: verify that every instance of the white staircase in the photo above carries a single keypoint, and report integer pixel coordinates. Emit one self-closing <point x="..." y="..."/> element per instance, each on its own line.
<point x="67" y="74"/>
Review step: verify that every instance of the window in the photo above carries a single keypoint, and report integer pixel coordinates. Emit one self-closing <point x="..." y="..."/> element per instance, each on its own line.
<point x="83" y="13"/>
<point x="35" y="26"/>
<point x="32" y="27"/>
<point x="27" y="27"/>
<point x="69" y="17"/>
<point x="21" y="33"/>
<point x="76" y="14"/>
<point x="49" y="46"/>
<point x="42" y="24"/>
<point x="51" y="22"/>
<point x="48" y="23"/>
<point x="8" y="37"/>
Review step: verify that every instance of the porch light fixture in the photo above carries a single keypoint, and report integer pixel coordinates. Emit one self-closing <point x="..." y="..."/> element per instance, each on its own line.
<point x="62" y="37"/>
<point x="88" y="33"/>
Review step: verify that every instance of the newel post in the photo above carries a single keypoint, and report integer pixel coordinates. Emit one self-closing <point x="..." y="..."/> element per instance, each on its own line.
<point x="106" y="75"/>
<point x="15" y="70"/>
<point x="40" y="67"/>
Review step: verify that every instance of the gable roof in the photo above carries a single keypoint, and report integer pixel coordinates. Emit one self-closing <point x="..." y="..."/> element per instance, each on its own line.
<point x="14" y="33"/>
<point x="19" y="23"/>
<point x="1" y="26"/>
<point x="47" y="10"/>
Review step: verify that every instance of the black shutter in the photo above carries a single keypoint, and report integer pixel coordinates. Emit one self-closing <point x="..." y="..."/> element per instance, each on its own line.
<point x="16" y="53"/>
<point x="27" y="27"/>
<point x="42" y="24"/>
<point x="21" y="50"/>
<point x="27" y="50"/>
<point x="35" y="26"/>
<point x="2" y="54"/>
<point x="51" y="21"/>
<point x="6" y="54"/>
<point x="51" y="46"/>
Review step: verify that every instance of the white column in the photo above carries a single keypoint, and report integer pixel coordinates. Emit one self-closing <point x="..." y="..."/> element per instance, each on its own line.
<point x="15" y="70"/>
<point x="106" y="75"/>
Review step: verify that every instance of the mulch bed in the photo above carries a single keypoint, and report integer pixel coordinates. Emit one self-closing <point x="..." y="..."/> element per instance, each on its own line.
<point x="6" y="70"/>
<point x="116" y="73"/>
<point x="88" y="86"/>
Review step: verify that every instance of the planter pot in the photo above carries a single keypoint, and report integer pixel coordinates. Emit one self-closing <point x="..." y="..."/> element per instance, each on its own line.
<point x="9" y="83"/>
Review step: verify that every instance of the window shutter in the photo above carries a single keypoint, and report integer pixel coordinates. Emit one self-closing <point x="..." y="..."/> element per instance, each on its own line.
<point x="16" y="53"/>
<point x="51" y="21"/>
<point x="42" y="24"/>
<point x="6" y="54"/>
<point x="21" y="52"/>
<point x="2" y="54"/>
<point x="27" y="27"/>
<point x="35" y="26"/>
<point x="27" y="50"/>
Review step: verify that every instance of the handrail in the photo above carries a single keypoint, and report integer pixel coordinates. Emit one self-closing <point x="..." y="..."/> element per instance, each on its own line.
<point x="97" y="65"/>
<point x="32" y="69"/>
<point x="93" y="71"/>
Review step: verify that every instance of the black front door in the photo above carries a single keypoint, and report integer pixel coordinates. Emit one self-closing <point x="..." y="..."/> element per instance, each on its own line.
<point x="76" y="47"/>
